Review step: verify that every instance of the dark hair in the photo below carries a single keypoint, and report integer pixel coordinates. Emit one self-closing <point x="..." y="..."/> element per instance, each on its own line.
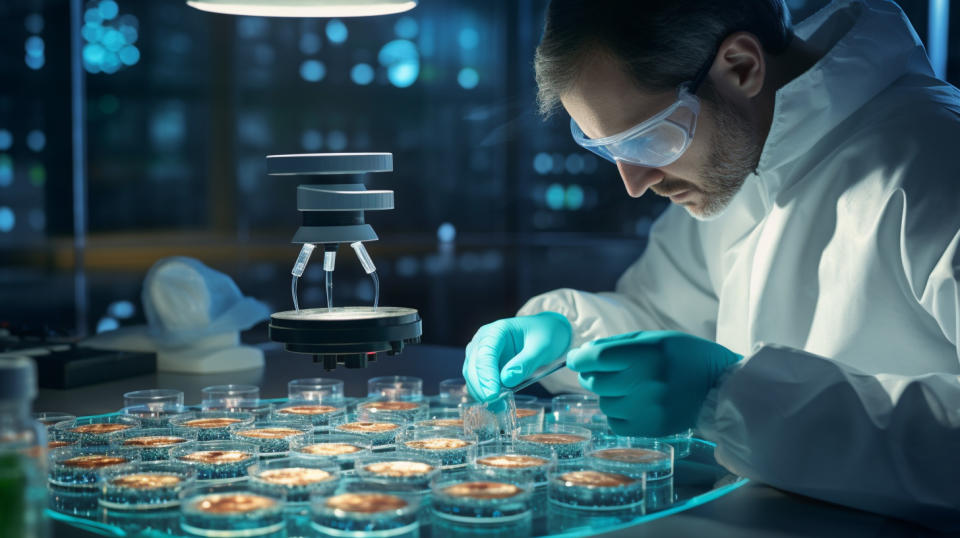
<point x="661" y="43"/>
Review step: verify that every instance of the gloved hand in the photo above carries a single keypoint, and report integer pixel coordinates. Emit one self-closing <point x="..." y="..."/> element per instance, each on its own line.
<point x="505" y="352"/>
<point x="650" y="383"/>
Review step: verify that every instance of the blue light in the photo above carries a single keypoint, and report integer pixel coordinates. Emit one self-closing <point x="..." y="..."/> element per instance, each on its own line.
<point x="574" y="197"/>
<point x="6" y="171"/>
<point x="403" y="75"/>
<point x="129" y="55"/>
<point x="336" y="31"/>
<point x="34" y="23"/>
<point x="406" y="28"/>
<point x="555" y="196"/>
<point x="402" y="60"/>
<point x="111" y="63"/>
<point x="108" y="9"/>
<point x="113" y="40"/>
<point x="92" y="16"/>
<point x="362" y="74"/>
<point x="34" y="46"/>
<point x="251" y="27"/>
<point x="36" y="140"/>
<point x="574" y="163"/>
<point x="468" y="38"/>
<point x="129" y="33"/>
<point x="938" y="28"/>
<point x="311" y="140"/>
<point x="7" y="219"/>
<point x="310" y="43"/>
<point x="543" y="163"/>
<point x="107" y="324"/>
<point x="446" y="233"/>
<point x="93" y="53"/>
<point x="468" y="78"/>
<point x="336" y="140"/>
<point x="313" y="70"/>
<point x="33" y="62"/>
<point x="121" y="309"/>
<point x="6" y="139"/>
<point x="92" y="32"/>
<point x="168" y="125"/>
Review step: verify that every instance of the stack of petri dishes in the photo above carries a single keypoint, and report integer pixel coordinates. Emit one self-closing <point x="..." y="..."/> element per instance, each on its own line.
<point x="235" y="398"/>
<point x="318" y="401"/>
<point x="154" y="407"/>
<point x="397" y="399"/>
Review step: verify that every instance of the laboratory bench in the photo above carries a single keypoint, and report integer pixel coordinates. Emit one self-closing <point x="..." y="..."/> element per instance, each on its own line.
<point x="753" y="510"/>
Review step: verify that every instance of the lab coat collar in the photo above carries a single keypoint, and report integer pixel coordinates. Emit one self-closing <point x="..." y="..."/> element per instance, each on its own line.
<point x="869" y="44"/>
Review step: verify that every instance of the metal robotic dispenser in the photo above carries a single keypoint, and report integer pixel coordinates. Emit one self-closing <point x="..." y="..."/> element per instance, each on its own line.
<point x="332" y="207"/>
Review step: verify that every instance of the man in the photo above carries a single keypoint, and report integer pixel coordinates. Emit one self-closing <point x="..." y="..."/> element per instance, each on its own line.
<point x="799" y="301"/>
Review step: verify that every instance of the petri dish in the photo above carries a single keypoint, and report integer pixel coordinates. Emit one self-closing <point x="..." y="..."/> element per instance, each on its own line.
<point x="230" y="511"/>
<point x="449" y="445"/>
<point x="212" y="425"/>
<point x="217" y="462"/>
<point x="294" y="478"/>
<point x="271" y="437"/>
<point x="564" y="441"/>
<point x="154" y="485"/>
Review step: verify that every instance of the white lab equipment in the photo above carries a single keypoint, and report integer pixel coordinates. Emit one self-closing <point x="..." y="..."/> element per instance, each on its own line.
<point x="194" y="318"/>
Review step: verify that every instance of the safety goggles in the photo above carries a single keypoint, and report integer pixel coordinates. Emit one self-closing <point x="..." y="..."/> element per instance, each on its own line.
<point x="657" y="141"/>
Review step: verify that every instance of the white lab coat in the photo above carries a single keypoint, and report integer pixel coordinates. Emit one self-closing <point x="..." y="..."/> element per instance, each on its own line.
<point x="835" y="272"/>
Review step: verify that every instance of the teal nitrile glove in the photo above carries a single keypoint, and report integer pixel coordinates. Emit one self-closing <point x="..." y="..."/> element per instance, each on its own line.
<point x="507" y="351"/>
<point x="650" y="383"/>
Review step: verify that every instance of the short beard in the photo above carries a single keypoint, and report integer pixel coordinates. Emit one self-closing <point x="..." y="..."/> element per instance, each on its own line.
<point x="734" y="154"/>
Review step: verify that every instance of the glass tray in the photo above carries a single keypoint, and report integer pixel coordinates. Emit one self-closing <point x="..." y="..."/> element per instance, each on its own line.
<point x="697" y="480"/>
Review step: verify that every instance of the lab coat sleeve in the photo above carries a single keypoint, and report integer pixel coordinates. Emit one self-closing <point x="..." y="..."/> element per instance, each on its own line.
<point x="813" y="426"/>
<point x="666" y="289"/>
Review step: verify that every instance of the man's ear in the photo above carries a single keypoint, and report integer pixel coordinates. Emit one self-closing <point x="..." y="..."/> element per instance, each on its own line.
<point x="739" y="67"/>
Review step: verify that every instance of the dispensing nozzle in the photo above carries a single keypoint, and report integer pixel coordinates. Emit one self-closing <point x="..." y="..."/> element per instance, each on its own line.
<point x="301" y="264"/>
<point x="364" y="257"/>
<point x="371" y="270"/>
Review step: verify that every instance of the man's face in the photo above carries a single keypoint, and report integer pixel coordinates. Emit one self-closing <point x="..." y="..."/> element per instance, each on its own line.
<point x="725" y="147"/>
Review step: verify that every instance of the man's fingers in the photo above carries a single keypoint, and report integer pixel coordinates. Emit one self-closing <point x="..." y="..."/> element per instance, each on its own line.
<point x="482" y="366"/>
<point x="522" y="366"/>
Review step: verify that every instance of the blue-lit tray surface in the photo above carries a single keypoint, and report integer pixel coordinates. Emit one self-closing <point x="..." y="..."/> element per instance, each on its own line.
<point x="697" y="480"/>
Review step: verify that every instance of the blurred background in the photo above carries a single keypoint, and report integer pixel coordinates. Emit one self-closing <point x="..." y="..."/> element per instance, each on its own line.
<point x="146" y="137"/>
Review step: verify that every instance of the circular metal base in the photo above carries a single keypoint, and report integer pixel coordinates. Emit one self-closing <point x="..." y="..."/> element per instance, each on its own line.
<point x="351" y="335"/>
<point x="328" y="163"/>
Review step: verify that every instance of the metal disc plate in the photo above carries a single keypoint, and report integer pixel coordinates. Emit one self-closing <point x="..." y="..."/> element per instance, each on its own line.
<point x="344" y="313"/>
<point x="328" y="163"/>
